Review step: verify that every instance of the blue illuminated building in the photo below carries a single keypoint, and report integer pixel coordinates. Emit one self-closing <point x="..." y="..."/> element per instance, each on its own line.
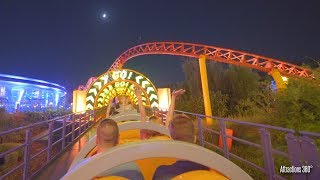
<point x="26" y="94"/>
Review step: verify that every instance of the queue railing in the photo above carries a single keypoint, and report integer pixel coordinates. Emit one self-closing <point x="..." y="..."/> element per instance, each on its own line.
<point x="299" y="150"/>
<point x="58" y="134"/>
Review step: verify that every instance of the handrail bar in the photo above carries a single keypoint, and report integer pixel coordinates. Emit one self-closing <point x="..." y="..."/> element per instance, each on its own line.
<point x="275" y="151"/>
<point x="278" y="152"/>
<point x="12" y="170"/>
<point x="212" y="145"/>
<point x="245" y="142"/>
<point x="211" y="130"/>
<point x="40" y="137"/>
<point x="310" y="133"/>
<point x="23" y="127"/>
<point x="12" y="150"/>
<point x="82" y="123"/>
<point x="239" y="122"/>
<point x="82" y="118"/>
<point x="35" y="124"/>
<point x="40" y="152"/>
<point x="56" y="130"/>
<point x="248" y="162"/>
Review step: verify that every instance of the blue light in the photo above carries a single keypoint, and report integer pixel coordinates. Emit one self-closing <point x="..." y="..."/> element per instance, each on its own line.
<point x="47" y="97"/>
<point x="273" y="85"/>
<point x="26" y="94"/>
<point x="56" y="99"/>
<point x="30" y="79"/>
<point x="20" y="97"/>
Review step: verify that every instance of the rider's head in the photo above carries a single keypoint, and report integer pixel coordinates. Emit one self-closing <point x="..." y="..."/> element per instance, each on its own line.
<point x="154" y="119"/>
<point x="107" y="134"/>
<point x="182" y="129"/>
<point x="123" y="99"/>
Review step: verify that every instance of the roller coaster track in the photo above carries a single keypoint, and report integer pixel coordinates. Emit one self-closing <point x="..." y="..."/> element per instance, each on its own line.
<point x="223" y="55"/>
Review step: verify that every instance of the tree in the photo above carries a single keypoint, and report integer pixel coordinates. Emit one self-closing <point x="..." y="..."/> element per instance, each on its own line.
<point x="219" y="103"/>
<point x="192" y="77"/>
<point x="298" y="106"/>
<point x="215" y="71"/>
<point x="228" y="85"/>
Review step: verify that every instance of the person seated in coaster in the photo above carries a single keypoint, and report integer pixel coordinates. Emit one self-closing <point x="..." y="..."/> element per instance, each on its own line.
<point x="145" y="133"/>
<point x="108" y="137"/>
<point x="124" y="103"/>
<point x="175" y="95"/>
<point x="181" y="128"/>
<point x="111" y="110"/>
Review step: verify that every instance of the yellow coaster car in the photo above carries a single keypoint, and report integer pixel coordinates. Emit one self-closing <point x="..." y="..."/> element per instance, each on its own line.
<point x="146" y="156"/>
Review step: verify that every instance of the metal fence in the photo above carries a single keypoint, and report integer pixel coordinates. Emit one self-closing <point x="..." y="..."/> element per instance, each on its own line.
<point x="61" y="133"/>
<point x="302" y="151"/>
<point x="301" y="148"/>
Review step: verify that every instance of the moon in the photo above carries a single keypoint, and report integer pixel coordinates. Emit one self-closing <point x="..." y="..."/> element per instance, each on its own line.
<point x="104" y="16"/>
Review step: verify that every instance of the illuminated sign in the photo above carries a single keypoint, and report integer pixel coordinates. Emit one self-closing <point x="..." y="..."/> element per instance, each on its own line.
<point x="164" y="95"/>
<point x="114" y="89"/>
<point x="79" y="101"/>
<point x="120" y="82"/>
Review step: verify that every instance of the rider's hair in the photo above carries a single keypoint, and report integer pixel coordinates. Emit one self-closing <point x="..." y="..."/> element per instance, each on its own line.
<point x="182" y="128"/>
<point x="154" y="119"/>
<point x="108" y="132"/>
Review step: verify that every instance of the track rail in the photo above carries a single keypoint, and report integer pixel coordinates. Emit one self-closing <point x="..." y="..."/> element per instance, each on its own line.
<point x="224" y="55"/>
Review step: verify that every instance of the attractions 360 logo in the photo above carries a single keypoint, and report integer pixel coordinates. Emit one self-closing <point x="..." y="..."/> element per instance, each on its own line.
<point x="295" y="169"/>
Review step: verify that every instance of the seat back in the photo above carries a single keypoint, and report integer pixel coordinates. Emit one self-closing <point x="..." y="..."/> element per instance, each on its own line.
<point x="127" y="115"/>
<point x="200" y="174"/>
<point x="132" y="126"/>
<point x="146" y="166"/>
<point x="122" y="154"/>
<point x="128" y="170"/>
<point x="110" y="178"/>
<point x="149" y="166"/>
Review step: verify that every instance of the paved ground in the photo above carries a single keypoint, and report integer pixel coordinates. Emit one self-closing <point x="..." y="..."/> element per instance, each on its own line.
<point x="60" y="166"/>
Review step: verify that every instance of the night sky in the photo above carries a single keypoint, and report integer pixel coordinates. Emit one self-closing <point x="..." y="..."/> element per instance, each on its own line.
<point x="67" y="41"/>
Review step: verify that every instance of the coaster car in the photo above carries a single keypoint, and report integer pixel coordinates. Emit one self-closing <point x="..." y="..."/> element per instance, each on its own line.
<point x="124" y="116"/>
<point x="133" y="126"/>
<point x="98" y="166"/>
<point x="147" y="156"/>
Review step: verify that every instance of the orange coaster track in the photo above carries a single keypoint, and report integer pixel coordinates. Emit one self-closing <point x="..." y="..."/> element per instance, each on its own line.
<point x="224" y="55"/>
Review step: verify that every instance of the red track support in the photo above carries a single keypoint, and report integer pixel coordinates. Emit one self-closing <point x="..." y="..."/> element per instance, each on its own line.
<point x="213" y="53"/>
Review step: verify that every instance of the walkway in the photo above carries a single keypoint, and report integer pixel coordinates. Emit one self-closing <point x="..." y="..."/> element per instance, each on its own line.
<point x="59" y="167"/>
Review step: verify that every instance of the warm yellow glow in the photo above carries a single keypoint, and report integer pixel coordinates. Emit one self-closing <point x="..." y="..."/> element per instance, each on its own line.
<point x="164" y="95"/>
<point x="205" y="88"/>
<point x="280" y="82"/>
<point x="79" y="101"/>
<point x="285" y="79"/>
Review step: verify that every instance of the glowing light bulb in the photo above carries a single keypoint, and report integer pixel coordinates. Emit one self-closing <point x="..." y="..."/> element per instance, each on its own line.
<point x="285" y="79"/>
